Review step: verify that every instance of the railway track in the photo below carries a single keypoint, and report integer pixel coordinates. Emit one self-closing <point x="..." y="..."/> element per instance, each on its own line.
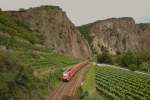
<point x="66" y="90"/>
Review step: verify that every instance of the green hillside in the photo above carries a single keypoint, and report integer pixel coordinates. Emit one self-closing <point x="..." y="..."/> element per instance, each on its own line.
<point x="85" y="31"/>
<point x="14" y="27"/>
<point x="28" y="70"/>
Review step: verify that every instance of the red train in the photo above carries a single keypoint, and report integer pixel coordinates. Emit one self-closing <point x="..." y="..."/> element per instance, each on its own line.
<point x="68" y="74"/>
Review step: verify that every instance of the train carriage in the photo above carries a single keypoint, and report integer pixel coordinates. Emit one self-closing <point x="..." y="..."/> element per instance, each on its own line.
<point x="69" y="73"/>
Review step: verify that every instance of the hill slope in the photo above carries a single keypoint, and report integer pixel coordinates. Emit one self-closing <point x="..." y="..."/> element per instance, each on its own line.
<point x="59" y="32"/>
<point x="145" y="34"/>
<point x="29" y="70"/>
<point x="116" y="34"/>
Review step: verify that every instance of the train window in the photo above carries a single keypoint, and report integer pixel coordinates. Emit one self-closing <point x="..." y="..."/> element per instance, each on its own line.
<point x="68" y="69"/>
<point x="65" y="74"/>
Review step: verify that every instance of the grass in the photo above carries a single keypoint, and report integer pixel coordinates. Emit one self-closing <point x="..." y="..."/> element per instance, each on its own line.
<point x="85" y="31"/>
<point x="12" y="43"/>
<point x="27" y="71"/>
<point x="46" y="69"/>
<point x="89" y="82"/>
<point x="88" y="91"/>
<point x="14" y="27"/>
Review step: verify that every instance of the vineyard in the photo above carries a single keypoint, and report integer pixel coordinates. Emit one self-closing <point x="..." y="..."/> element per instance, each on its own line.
<point x="118" y="84"/>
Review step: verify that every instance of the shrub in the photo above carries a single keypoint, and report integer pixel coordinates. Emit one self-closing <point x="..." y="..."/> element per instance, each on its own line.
<point x="133" y="67"/>
<point x="127" y="59"/>
<point x="15" y="27"/>
<point x="105" y="57"/>
<point x="13" y="77"/>
<point x="134" y="60"/>
<point x="145" y="66"/>
<point x="22" y="10"/>
<point x="85" y="31"/>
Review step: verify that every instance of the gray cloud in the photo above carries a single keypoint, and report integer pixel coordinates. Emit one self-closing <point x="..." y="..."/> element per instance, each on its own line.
<point x="85" y="11"/>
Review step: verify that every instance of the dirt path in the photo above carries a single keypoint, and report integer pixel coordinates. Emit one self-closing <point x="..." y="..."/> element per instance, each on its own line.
<point x="121" y="68"/>
<point x="66" y="90"/>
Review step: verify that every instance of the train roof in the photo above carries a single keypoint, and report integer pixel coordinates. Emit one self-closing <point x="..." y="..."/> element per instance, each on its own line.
<point x="68" y="69"/>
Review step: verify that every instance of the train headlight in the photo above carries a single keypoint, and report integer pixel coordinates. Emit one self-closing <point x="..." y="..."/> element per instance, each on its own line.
<point x="65" y="74"/>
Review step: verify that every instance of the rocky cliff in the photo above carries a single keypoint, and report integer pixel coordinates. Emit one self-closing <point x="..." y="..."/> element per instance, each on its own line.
<point x="116" y="34"/>
<point x="59" y="32"/>
<point x="145" y="35"/>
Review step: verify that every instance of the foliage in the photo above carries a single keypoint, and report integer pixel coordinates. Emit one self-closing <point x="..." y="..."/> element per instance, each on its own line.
<point x="89" y="80"/>
<point x="87" y="89"/>
<point x="51" y="7"/>
<point x="12" y="43"/>
<point x="14" y="27"/>
<point x="39" y="68"/>
<point x="146" y="66"/>
<point x="80" y="94"/>
<point x="105" y="57"/>
<point x="128" y="59"/>
<point x="134" y="60"/>
<point x="118" y="84"/>
<point x="27" y="71"/>
<point x="22" y="9"/>
<point x="85" y="29"/>
<point x="13" y="77"/>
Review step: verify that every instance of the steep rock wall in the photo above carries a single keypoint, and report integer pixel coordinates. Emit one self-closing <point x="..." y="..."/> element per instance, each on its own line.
<point x="59" y="32"/>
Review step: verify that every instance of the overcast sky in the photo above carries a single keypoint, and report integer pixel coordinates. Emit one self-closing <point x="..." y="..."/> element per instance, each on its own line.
<point x="86" y="11"/>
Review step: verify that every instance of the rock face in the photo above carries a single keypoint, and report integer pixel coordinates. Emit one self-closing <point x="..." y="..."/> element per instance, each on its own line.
<point x="145" y="35"/>
<point x="59" y="32"/>
<point x="116" y="34"/>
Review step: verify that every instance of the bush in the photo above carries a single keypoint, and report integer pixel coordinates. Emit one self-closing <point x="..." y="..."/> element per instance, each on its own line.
<point x="134" y="60"/>
<point x="127" y="59"/>
<point x="80" y="94"/>
<point x="145" y="66"/>
<point x="133" y="67"/>
<point x="105" y="57"/>
<point x="13" y="77"/>
<point x="15" y="27"/>
<point x="85" y="31"/>
<point x="22" y="9"/>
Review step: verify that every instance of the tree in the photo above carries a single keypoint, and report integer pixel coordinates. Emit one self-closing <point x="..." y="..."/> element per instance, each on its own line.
<point x="127" y="59"/>
<point x="148" y="68"/>
<point x="146" y="65"/>
<point x="133" y="67"/>
<point x="104" y="57"/>
<point x="22" y="9"/>
<point x="14" y="77"/>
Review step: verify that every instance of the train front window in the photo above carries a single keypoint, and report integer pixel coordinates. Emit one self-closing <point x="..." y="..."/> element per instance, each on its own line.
<point x="65" y="74"/>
